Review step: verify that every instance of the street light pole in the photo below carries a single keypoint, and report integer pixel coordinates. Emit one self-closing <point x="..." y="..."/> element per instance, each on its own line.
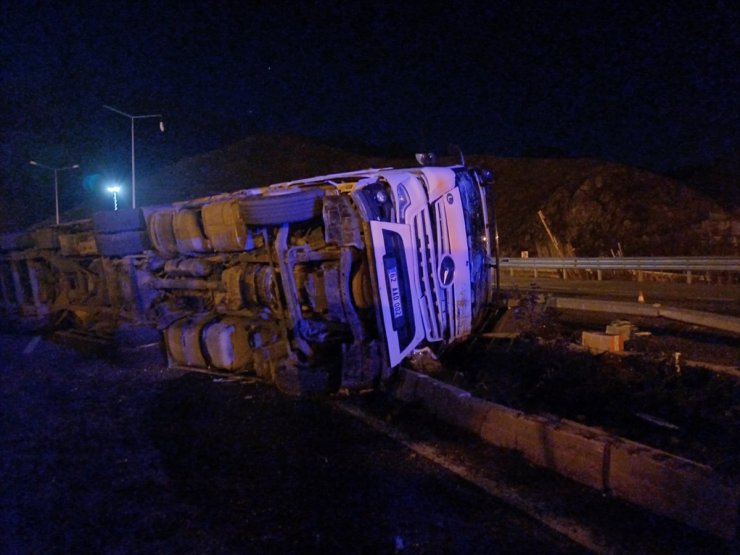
<point x="56" y="181"/>
<point x="133" y="156"/>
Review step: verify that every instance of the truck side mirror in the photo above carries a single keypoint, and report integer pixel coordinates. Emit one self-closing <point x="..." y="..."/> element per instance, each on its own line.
<point x="426" y="158"/>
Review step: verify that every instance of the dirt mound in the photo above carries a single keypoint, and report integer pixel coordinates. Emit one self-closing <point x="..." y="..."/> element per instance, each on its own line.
<point x="650" y="393"/>
<point x="251" y="162"/>
<point x="592" y="207"/>
<point x="720" y="179"/>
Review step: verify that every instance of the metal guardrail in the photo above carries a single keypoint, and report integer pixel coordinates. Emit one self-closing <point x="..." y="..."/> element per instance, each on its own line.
<point x="659" y="263"/>
<point x="683" y="264"/>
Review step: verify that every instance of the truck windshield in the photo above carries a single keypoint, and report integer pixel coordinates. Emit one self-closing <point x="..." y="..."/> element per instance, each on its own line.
<point x="478" y="246"/>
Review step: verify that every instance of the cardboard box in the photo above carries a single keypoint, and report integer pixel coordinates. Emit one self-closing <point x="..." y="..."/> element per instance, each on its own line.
<point x="598" y="342"/>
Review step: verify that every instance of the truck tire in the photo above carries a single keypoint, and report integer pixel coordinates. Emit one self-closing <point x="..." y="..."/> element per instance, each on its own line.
<point x="188" y="230"/>
<point x="118" y="220"/>
<point x="282" y="209"/>
<point x="224" y="226"/>
<point x="122" y="244"/>
<point x="161" y="233"/>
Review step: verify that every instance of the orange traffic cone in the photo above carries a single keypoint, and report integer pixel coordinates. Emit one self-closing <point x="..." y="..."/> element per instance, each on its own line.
<point x="640" y="297"/>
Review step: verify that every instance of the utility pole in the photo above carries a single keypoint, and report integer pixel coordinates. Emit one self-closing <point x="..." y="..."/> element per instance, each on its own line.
<point x="133" y="156"/>
<point x="56" y="181"/>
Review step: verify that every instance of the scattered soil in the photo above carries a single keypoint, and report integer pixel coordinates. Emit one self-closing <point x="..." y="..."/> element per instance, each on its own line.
<point x="643" y="394"/>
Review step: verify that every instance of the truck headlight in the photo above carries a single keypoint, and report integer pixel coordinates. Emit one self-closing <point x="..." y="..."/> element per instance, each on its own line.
<point x="380" y="196"/>
<point x="403" y="201"/>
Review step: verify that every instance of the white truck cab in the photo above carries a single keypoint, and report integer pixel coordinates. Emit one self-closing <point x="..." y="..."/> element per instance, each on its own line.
<point x="431" y="257"/>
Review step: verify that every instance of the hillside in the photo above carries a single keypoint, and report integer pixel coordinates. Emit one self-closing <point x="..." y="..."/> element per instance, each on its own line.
<point x="251" y="162"/>
<point x="592" y="207"/>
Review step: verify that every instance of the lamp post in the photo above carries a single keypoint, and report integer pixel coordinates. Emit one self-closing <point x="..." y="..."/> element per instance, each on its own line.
<point x="133" y="118"/>
<point x="114" y="189"/>
<point x="56" y="181"/>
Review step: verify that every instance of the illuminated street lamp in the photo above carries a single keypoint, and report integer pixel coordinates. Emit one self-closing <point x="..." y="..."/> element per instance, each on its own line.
<point x="56" y="181"/>
<point x="133" y="157"/>
<point x="115" y="189"/>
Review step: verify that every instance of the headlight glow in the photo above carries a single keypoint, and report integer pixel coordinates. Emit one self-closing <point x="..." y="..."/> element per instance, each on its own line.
<point x="404" y="202"/>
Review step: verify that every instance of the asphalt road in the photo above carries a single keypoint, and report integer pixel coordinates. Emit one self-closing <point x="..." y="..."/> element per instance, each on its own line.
<point x="128" y="457"/>
<point x="722" y="298"/>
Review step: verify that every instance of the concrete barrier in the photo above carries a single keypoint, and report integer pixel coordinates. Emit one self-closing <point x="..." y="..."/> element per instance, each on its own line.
<point x="674" y="487"/>
<point x="700" y="318"/>
<point x="472" y="415"/>
<point x="658" y="481"/>
<point x="451" y="404"/>
<point x="579" y="453"/>
<point x="600" y="305"/>
<point x="501" y="426"/>
<point x="532" y="441"/>
<point x="406" y="391"/>
<point x="570" y="449"/>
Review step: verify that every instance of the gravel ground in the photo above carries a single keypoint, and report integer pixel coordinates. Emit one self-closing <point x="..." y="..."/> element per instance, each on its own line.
<point x="641" y="394"/>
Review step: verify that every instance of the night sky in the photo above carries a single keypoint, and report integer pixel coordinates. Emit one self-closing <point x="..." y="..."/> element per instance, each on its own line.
<point x="654" y="87"/>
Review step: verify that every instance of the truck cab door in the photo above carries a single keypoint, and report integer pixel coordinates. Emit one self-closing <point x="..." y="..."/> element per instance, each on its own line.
<point x="398" y="290"/>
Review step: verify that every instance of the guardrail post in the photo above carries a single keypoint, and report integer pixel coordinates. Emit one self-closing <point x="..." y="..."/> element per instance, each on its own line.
<point x="598" y="275"/>
<point x="688" y="276"/>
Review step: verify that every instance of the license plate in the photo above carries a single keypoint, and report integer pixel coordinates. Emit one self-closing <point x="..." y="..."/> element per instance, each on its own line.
<point x="394" y="292"/>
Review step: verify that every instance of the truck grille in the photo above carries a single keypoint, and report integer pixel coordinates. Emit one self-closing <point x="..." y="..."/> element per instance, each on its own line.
<point x="434" y="307"/>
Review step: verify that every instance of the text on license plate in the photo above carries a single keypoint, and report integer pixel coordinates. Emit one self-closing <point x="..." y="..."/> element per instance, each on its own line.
<point x="394" y="292"/>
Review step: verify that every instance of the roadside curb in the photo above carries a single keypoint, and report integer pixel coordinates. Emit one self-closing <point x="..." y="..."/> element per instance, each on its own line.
<point x="663" y="483"/>
<point x="696" y="317"/>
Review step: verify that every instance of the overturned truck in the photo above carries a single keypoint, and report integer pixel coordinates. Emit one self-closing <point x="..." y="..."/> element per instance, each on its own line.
<point x="315" y="285"/>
